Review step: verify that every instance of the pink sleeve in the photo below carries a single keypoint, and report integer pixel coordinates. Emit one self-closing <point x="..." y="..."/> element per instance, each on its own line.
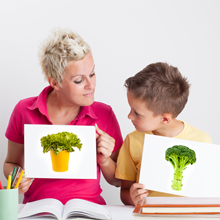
<point x="114" y="130"/>
<point x="14" y="129"/>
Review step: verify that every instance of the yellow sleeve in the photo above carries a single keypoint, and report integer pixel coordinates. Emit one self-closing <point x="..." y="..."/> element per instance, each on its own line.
<point x="126" y="168"/>
<point x="207" y="139"/>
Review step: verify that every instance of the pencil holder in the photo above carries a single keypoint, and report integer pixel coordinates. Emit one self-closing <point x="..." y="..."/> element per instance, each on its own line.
<point x="8" y="204"/>
<point x="60" y="162"/>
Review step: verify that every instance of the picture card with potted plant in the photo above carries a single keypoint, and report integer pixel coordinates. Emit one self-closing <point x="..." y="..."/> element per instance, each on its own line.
<point x="60" y="151"/>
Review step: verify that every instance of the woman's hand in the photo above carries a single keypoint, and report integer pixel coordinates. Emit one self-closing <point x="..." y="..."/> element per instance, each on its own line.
<point x="105" y="146"/>
<point x="137" y="193"/>
<point x="24" y="183"/>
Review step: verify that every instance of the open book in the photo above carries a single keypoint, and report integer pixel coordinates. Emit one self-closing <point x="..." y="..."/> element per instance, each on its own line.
<point x="73" y="208"/>
<point x="178" y="206"/>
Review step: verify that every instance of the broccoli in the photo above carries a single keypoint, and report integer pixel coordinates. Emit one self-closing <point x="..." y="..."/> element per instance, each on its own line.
<point x="180" y="157"/>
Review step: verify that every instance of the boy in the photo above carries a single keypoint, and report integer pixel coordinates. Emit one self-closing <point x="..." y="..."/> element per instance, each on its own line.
<point x="156" y="95"/>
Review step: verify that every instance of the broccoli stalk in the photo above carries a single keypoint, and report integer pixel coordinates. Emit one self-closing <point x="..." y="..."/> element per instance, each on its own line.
<point x="180" y="157"/>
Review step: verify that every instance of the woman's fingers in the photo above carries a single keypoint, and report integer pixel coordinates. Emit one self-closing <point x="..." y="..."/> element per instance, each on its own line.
<point x="104" y="140"/>
<point x="24" y="184"/>
<point x="100" y="132"/>
<point x="105" y="145"/>
<point x="103" y="136"/>
<point x="105" y="152"/>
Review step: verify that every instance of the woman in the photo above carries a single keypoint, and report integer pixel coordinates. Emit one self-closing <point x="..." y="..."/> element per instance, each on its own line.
<point x="68" y="65"/>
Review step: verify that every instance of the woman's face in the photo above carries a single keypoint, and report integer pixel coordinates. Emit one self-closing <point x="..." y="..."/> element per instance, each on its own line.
<point x="79" y="80"/>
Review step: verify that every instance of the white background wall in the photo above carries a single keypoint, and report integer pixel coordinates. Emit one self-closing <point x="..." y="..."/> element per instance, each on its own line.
<point x="125" y="36"/>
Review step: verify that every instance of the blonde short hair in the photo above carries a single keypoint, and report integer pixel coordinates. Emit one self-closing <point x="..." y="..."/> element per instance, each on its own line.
<point x="61" y="47"/>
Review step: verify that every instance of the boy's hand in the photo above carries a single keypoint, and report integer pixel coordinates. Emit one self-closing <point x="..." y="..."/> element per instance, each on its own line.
<point x="105" y="145"/>
<point x="137" y="193"/>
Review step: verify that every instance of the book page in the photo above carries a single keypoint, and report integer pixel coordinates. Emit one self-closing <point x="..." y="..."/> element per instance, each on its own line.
<point x="52" y="206"/>
<point x="180" y="200"/>
<point x="181" y="209"/>
<point x="79" y="207"/>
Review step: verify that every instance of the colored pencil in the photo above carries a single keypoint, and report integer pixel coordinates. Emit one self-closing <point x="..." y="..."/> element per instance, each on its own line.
<point x="1" y="185"/>
<point x="19" y="179"/>
<point x="9" y="182"/>
<point x="13" y="174"/>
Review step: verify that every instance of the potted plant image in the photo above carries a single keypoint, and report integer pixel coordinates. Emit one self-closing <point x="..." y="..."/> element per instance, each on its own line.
<point x="60" y="145"/>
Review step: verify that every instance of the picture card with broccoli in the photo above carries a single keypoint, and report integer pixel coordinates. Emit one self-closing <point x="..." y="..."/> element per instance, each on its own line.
<point x="60" y="151"/>
<point x="180" y="167"/>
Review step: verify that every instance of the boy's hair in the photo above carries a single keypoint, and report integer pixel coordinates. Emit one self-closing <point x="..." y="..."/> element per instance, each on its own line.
<point x="57" y="52"/>
<point x="163" y="88"/>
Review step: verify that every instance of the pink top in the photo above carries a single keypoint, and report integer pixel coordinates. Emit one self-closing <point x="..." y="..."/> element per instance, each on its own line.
<point x="34" y="111"/>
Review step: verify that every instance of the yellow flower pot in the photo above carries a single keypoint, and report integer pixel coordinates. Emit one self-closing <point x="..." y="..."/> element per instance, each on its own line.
<point x="60" y="161"/>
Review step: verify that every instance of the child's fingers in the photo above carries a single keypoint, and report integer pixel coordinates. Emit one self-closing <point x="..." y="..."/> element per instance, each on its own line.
<point x="136" y="186"/>
<point x="139" y="198"/>
<point x="139" y="192"/>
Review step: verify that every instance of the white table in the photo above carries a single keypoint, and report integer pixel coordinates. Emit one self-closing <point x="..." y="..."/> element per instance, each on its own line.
<point x="122" y="212"/>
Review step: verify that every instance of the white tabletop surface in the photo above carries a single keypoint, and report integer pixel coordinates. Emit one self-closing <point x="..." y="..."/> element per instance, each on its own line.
<point x="122" y="212"/>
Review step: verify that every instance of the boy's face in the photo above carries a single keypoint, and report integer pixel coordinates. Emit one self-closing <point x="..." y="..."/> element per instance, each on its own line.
<point x="142" y="118"/>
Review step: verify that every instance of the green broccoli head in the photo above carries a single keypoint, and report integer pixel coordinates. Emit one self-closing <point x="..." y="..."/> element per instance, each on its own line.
<point x="180" y="157"/>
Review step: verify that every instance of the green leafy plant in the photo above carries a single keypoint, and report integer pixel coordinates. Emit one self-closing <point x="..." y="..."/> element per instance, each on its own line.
<point x="180" y="157"/>
<point x="60" y="141"/>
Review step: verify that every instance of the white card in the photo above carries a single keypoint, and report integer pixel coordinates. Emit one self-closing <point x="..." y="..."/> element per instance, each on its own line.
<point x="201" y="179"/>
<point x="82" y="163"/>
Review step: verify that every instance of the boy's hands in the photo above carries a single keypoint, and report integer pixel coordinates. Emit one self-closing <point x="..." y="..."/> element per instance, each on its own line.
<point x="105" y="145"/>
<point x="137" y="192"/>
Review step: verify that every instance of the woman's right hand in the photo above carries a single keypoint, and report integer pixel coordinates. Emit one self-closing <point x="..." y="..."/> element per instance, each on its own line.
<point x="24" y="184"/>
<point x="137" y="193"/>
<point x="15" y="158"/>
